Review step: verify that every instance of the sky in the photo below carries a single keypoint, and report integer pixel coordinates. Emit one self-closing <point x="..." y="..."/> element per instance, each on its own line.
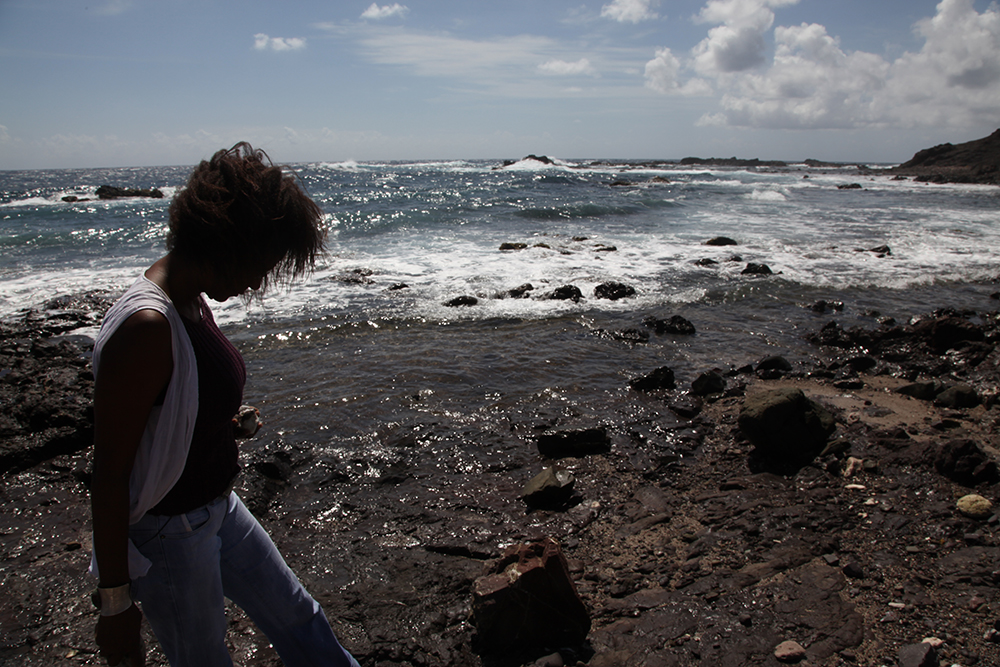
<point x="102" y="83"/>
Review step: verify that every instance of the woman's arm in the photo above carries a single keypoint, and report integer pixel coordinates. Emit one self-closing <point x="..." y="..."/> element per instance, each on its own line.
<point x="135" y="367"/>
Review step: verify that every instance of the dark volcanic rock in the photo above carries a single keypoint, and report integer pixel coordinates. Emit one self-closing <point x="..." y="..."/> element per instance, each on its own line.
<point x="754" y="268"/>
<point x="564" y="293"/>
<point x="527" y="599"/>
<point x="574" y="442"/>
<point x="709" y="382"/>
<point x="972" y="162"/>
<point x="613" y="291"/>
<point x="785" y="423"/>
<point x="965" y="462"/>
<point x="721" y="241"/>
<point x="113" y="192"/>
<point x="675" y="325"/>
<point x="550" y="489"/>
<point x="464" y="300"/>
<point x="661" y="378"/>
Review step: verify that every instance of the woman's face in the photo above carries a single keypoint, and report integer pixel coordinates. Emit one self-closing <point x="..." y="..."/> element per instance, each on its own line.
<point x="246" y="277"/>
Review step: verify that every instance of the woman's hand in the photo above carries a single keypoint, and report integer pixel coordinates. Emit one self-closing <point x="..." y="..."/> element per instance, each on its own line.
<point x="120" y="640"/>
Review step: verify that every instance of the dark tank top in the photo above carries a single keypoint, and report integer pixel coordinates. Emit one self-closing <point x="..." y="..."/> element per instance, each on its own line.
<point x="212" y="460"/>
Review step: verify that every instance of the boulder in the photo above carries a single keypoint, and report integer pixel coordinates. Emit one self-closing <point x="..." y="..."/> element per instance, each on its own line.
<point x="721" y="241"/>
<point x="613" y="291"/>
<point x="925" y="391"/>
<point x="675" y="325"/>
<point x="464" y="300"/>
<point x="946" y="333"/>
<point x="958" y="396"/>
<point x="918" y="655"/>
<point x="113" y="192"/>
<point x="527" y="599"/>
<point x="661" y="378"/>
<point x="755" y="269"/>
<point x="519" y="292"/>
<point x="574" y="442"/>
<point x="513" y="246"/>
<point x="565" y="293"/>
<point x="785" y="422"/>
<point x="709" y="382"/>
<point x="964" y="462"/>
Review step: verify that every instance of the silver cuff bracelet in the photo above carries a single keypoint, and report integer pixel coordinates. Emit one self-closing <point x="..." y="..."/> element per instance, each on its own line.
<point x="115" y="600"/>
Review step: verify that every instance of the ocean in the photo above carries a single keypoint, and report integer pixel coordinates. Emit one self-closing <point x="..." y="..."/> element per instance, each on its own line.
<point x="368" y="344"/>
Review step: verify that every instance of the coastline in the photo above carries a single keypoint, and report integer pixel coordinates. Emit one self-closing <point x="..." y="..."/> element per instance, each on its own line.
<point x="684" y="548"/>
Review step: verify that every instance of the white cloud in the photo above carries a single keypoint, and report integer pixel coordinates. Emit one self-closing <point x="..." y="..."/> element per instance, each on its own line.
<point x="739" y="43"/>
<point x="375" y="13"/>
<point x="663" y="75"/>
<point x="630" y="11"/>
<point x="563" y="68"/>
<point x="811" y="82"/>
<point x="262" y="42"/>
<point x="4" y="136"/>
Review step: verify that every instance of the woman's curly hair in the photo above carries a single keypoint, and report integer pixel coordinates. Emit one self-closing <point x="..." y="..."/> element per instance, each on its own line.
<point x="238" y="209"/>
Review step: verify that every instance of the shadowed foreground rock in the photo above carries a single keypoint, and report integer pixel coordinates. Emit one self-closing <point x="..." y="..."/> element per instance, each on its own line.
<point x="785" y="422"/>
<point x="527" y="599"/>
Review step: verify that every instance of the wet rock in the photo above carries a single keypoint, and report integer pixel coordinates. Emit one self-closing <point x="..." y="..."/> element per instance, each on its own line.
<point x="918" y="655"/>
<point x="661" y="378"/>
<point x="974" y="506"/>
<point x="519" y="292"/>
<point x="613" y="291"/>
<point x="528" y="599"/>
<point x="849" y="186"/>
<point x="823" y="306"/>
<point x="513" y="246"/>
<point x="757" y="269"/>
<point x="114" y="192"/>
<point x="574" y="442"/>
<point x="721" y="241"/>
<point x="789" y="651"/>
<point x="552" y="488"/>
<point x="564" y="293"/>
<point x="459" y="301"/>
<point x="964" y="461"/>
<point x="709" y="382"/>
<point x="946" y="333"/>
<point x="774" y="363"/>
<point x="785" y="422"/>
<point x="675" y="325"/>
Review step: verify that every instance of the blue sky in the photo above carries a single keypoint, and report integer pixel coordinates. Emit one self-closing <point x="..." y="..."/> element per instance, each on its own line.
<point x="87" y="83"/>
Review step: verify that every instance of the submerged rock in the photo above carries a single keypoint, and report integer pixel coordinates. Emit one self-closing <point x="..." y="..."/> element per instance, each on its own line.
<point x="675" y="325"/>
<point x="660" y="378"/>
<point x="574" y="442"/>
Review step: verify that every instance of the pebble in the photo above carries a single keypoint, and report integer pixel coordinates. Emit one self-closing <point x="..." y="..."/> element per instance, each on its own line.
<point x="975" y="506"/>
<point x="789" y="651"/>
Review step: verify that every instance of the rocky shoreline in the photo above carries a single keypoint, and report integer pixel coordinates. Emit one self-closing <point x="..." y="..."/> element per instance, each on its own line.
<point x="686" y="543"/>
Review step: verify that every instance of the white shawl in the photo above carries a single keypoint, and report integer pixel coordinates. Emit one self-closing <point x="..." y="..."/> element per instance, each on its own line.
<point x="163" y="449"/>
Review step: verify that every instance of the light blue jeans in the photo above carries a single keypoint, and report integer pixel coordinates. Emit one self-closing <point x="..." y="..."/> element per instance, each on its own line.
<point x="217" y="551"/>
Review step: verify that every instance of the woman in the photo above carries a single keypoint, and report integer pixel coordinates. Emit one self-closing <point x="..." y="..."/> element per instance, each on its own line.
<point x="168" y="530"/>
